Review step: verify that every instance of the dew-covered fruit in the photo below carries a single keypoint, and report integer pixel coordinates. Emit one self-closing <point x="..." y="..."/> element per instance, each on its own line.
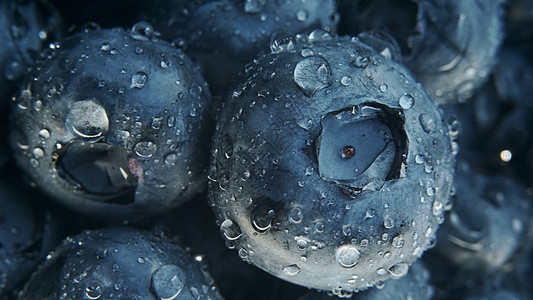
<point x="27" y="233"/>
<point x="26" y="27"/>
<point x="450" y="46"/>
<point x="489" y="224"/>
<point x="119" y="263"/>
<point x="224" y="35"/>
<point x="110" y="124"/>
<point x="414" y="285"/>
<point x="335" y="171"/>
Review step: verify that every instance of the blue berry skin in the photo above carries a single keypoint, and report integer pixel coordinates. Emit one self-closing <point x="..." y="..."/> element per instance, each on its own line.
<point x="450" y="46"/>
<point x="26" y="27"/>
<point x="317" y="216"/>
<point x="119" y="263"/>
<point x="28" y="231"/>
<point x="488" y="226"/>
<point x="415" y="285"/>
<point x="109" y="124"/>
<point x="223" y="35"/>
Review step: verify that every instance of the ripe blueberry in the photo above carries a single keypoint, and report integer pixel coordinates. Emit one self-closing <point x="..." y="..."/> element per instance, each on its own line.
<point x="119" y="263"/>
<point x="110" y="124"/>
<point x="283" y="189"/>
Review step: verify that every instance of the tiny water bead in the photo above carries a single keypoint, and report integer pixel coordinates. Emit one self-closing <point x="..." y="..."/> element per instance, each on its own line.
<point x="406" y="101"/>
<point x="138" y="80"/>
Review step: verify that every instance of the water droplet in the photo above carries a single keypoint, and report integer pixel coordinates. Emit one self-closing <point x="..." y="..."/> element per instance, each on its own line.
<point x="164" y="63"/>
<point x="261" y="218"/>
<point x="167" y="282"/>
<point x="381" y="271"/>
<point x="145" y="149"/>
<point x="230" y="230"/>
<point x="361" y="61"/>
<point x="37" y="105"/>
<point x="307" y="52"/>
<point x="142" y="31"/>
<point x="44" y="133"/>
<point x="406" y="101"/>
<point x="506" y="155"/>
<point x="138" y="50"/>
<point x="140" y="260"/>
<point x="347" y="256"/>
<point x="427" y="123"/>
<point x="370" y="213"/>
<point x="87" y="119"/>
<point x="105" y="46"/>
<point x="346" y="80"/>
<point x="193" y="112"/>
<point x="138" y="80"/>
<point x="388" y="223"/>
<point x="93" y="290"/>
<point x="319" y="227"/>
<point x="383" y="88"/>
<point x="296" y="216"/>
<point x="399" y="270"/>
<point x="319" y="35"/>
<point x="301" y="244"/>
<point x="398" y="242"/>
<point x="38" y="152"/>
<point x="312" y="74"/>
<point x="428" y="168"/>
<point x="171" y="159"/>
<point x="438" y="208"/>
<point x="291" y="270"/>
<point x="254" y="6"/>
<point x="419" y="159"/>
<point x="282" y="42"/>
<point x="301" y="15"/>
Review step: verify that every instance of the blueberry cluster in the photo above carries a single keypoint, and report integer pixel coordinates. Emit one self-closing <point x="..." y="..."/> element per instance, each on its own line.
<point x="266" y="149"/>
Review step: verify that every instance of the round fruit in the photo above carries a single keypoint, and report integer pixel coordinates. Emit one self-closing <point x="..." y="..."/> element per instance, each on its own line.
<point x="110" y="124"/>
<point x="333" y="171"/>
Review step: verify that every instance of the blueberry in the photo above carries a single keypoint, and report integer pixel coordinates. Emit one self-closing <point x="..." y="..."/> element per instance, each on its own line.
<point x="337" y="166"/>
<point x="414" y="285"/>
<point x="488" y="224"/>
<point x="224" y="35"/>
<point x="28" y="231"/>
<point x="109" y="123"/>
<point x="451" y="47"/>
<point x="26" y="28"/>
<point x="119" y="263"/>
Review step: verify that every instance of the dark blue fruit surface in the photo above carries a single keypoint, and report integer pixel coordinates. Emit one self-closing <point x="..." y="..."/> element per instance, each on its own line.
<point x="119" y="263"/>
<point x="110" y="123"/>
<point x="294" y="149"/>
<point x="333" y="170"/>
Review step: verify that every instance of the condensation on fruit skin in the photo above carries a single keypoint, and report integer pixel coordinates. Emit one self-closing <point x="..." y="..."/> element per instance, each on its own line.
<point x="315" y="219"/>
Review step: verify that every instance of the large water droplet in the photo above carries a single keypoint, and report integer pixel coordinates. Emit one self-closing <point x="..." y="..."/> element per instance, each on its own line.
<point x="138" y="80"/>
<point x="261" y="218"/>
<point x="88" y="120"/>
<point x="254" y="6"/>
<point x="93" y="290"/>
<point x="312" y="74"/>
<point x="282" y="42"/>
<point x="142" y="31"/>
<point x="347" y="256"/>
<point x="145" y="149"/>
<point x="301" y="15"/>
<point x="398" y="242"/>
<point x="296" y="216"/>
<point x="406" y="101"/>
<point x="230" y="230"/>
<point x="291" y="270"/>
<point x="167" y="282"/>
<point x="398" y="270"/>
<point x="427" y="123"/>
